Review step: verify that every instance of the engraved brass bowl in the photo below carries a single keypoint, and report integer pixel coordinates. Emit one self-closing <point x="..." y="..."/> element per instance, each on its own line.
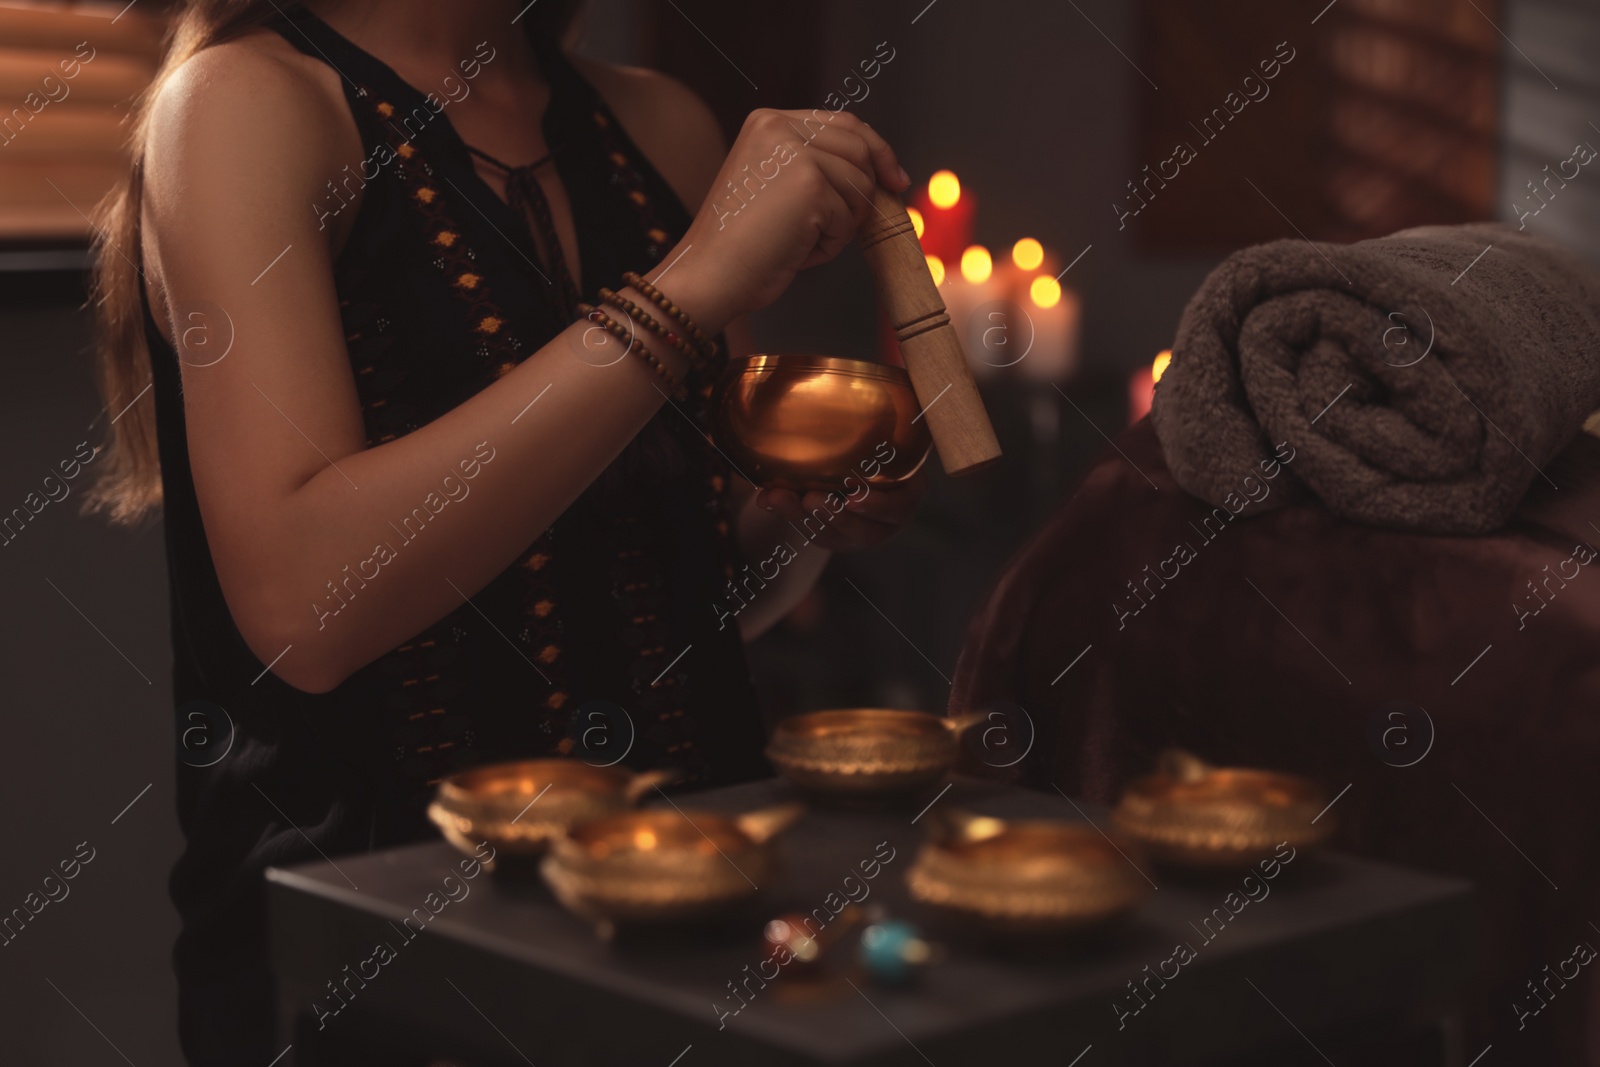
<point x="667" y="865"/>
<point x="1189" y="813"/>
<point x="1033" y="877"/>
<point x="519" y="808"/>
<point x="866" y="753"/>
<point x="812" y="422"/>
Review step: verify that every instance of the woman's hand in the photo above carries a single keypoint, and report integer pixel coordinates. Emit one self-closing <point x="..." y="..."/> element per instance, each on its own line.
<point x="793" y="191"/>
<point x="864" y="523"/>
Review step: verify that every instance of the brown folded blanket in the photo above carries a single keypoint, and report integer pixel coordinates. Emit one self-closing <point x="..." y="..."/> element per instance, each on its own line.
<point x="1424" y="379"/>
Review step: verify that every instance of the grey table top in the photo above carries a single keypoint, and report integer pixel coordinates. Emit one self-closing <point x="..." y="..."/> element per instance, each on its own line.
<point x="1334" y="940"/>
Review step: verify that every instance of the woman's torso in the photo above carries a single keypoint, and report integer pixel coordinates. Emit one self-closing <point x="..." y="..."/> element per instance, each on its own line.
<point x="601" y="641"/>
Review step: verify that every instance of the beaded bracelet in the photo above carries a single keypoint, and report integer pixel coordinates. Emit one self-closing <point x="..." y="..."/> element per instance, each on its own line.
<point x="638" y="314"/>
<point x="708" y="349"/>
<point x="635" y="346"/>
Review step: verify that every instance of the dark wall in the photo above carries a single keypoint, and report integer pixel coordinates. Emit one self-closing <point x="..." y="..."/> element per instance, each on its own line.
<point x="88" y="722"/>
<point x="1553" y="103"/>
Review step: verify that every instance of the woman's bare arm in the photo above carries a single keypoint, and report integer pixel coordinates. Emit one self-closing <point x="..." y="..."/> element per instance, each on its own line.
<point x="779" y="532"/>
<point x="242" y="146"/>
<point x="681" y="137"/>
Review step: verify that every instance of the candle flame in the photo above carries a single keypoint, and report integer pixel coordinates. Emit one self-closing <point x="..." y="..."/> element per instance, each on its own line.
<point x="916" y="221"/>
<point x="1027" y="254"/>
<point x="1159" y="367"/>
<point x="976" y="265"/>
<point x="944" y="189"/>
<point x="936" y="268"/>
<point x="1045" y="291"/>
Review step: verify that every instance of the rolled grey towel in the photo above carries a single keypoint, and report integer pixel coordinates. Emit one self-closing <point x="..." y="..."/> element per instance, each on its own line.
<point x="1422" y="381"/>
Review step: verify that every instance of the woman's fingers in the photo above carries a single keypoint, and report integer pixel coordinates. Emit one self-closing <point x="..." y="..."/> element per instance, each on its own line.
<point x="837" y="521"/>
<point x="889" y="505"/>
<point x="799" y="185"/>
<point x="785" y="502"/>
<point x="880" y="160"/>
<point x="891" y="175"/>
<point x="854" y="189"/>
<point x="852" y="184"/>
<point x="830" y="528"/>
<point x="848" y="146"/>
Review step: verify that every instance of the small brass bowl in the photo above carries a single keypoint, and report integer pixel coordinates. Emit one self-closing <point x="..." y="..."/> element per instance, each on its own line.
<point x="1035" y="877"/>
<point x="866" y="753"/>
<point x="665" y="865"/>
<point x="519" y="808"/>
<point x="1191" y="814"/>
<point x="812" y="422"/>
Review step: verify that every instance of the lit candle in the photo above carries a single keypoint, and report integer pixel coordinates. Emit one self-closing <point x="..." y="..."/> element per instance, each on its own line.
<point x="1054" y="312"/>
<point x="1027" y="254"/>
<point x="946" y="211"/>
<point x="977" y="266"/>
<point x="975" y="297"/>
<point x="1000" y="339"/>
<point x="1142" y="386"/>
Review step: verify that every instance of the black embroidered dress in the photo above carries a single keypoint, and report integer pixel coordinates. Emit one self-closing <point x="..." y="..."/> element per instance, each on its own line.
<point x="603" y="635"/>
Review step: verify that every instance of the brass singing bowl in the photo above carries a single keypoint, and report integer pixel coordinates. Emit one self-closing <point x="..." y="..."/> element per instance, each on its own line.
<point x="664" y="865"/>
<point x="1189" y="813"/>
<point x="519" y="808"/>
<point x="816" y="422"/>
<point x="863" y="753"/>
<point x="1027" y="877"/>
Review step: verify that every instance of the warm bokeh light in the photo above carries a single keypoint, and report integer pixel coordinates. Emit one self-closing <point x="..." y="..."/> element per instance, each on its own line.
<point x="976" y="266"/>
<point x="944" y="189"/>
<point x="644" y="840"/>
<point x="1046" y="291"/>
<point x="1159" y="367"/>
<point x="936" y="268"/>
<point x="916" y="221"/>
<point x="1028" y="254"/>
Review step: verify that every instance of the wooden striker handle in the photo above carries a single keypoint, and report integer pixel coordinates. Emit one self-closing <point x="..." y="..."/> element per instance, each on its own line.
<point x="943" y="381"/>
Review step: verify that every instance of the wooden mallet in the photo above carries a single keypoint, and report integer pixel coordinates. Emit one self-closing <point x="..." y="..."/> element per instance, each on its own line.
<point x="957" y="420"/>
